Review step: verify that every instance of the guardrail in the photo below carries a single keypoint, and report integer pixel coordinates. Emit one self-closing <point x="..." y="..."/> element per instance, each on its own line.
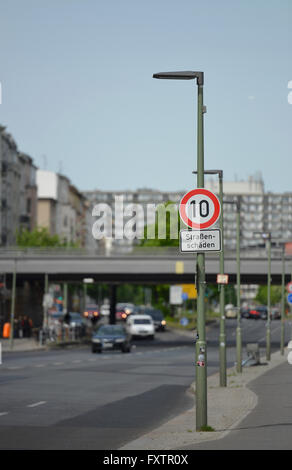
<point x="16" y="252"/>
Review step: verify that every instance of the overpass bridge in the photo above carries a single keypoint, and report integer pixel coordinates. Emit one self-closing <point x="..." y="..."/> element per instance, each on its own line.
<point x="141" y="266"/>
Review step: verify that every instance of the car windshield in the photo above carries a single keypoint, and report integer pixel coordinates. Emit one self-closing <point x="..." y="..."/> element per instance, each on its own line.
<point x="111" y="330"/>
<point x="142" y="321"/>
<point x="155" y="314"/>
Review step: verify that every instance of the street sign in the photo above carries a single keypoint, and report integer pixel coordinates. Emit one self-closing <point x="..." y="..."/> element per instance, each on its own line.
<point x="194" y="241"/>
<point x="175" y="295"/>
<point x="184" y="321"/>
<point x="289" y="287"/>
<point x="190" y="290"/>
<point x="222" y="278"/>
<point x="199" y="209"/>
<point x="289" y="298"/>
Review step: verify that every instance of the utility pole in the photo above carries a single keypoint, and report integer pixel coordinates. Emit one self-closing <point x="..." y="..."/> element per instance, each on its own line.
<point x="268" y="349"/>
<point x="201" y="350"/>
<point x="12" y="305"/>
<point x="222" y="337"/>
<point x="238" y="329"/>
<point x="283" y="302"/>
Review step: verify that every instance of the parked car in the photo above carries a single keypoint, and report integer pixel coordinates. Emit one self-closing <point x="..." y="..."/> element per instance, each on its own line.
<point x="245" y="312"/>
<point x="157" y="317"/>
<point x="259" y="312"/>
<point x="140" y="325"/>
<point x="111" y="337"/>
<point x="230" y="311"/>
<point x="275" y="313"/>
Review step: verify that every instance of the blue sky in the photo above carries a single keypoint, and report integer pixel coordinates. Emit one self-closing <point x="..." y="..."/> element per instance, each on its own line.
<point x="78" y="93"/>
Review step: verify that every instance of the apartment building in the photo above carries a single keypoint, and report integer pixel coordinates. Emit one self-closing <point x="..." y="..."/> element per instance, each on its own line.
<point x="61" y="207"/>
<point x="17" y="190"/>
<point x="260" y="211"/>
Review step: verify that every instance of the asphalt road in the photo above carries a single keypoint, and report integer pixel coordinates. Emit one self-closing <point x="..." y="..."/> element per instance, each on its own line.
<point x="73" y="399"/>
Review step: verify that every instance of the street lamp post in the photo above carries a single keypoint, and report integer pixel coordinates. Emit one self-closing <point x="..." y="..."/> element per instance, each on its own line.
<point x="222" y="336"/>
<point x="13" y="291"/>
<point x="238" y="328"/>
<point x="201" y="374"/>
<point x="267" y="236"/>
<point x="283" y="302"/>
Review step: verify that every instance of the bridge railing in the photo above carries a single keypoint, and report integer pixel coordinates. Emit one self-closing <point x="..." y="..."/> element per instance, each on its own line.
<point x="116" y="252"/>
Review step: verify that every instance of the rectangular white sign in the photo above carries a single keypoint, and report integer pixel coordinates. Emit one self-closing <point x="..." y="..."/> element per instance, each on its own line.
<point x="175" y="295"/>
<point x="196" y="241"/>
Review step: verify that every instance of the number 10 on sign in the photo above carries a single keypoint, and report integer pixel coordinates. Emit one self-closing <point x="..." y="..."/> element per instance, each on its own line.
<point x="199" y="208"/>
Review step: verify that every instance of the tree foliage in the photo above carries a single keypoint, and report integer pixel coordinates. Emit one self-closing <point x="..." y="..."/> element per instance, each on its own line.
<point x="262" y="295"/>
<point x="171" y="215"/>
<point x="40" y="237"/>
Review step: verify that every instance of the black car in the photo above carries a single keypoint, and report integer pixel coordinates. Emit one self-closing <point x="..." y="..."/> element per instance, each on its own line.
<point x="110" y="337"/>
<point x="157" y="317"/>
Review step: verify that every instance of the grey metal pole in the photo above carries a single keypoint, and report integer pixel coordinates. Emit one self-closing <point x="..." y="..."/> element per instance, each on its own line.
<point x="282" y="340"/>
<point x="45" y="321"/>
<point x="238" y="329"/>
<point x="201" y="350"/>
<point x="65" y="298"/>
<point x="222" y="336"/>
<point x="12" y="305"/>
<point x="268" y="340"/>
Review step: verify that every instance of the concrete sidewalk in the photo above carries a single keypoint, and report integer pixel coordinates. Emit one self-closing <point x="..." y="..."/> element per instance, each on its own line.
<point x="21" y="344"/>
<point x="227" y="407"/>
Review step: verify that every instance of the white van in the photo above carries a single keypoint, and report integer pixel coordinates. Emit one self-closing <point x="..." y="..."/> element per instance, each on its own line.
<point x="140" y="325"/>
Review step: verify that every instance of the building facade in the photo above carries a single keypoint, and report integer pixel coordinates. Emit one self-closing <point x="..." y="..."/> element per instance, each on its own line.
<point x="17" y="190"/>
<point x="61" y="207"/>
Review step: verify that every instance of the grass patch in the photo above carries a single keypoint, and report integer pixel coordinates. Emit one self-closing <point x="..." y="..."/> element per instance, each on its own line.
<point x="207" y="429"/>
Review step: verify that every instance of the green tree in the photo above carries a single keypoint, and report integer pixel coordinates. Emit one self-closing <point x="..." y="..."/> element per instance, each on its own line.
<point x="40" y="237"/>
<point x="262" y="295"/>
<point x="170" y="220"/>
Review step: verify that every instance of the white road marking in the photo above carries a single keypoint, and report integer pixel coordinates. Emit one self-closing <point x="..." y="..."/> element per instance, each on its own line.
<point x="13" y="367"/>
<point x="77" y="361"/>
<point x="4" y="413"/>
<point x="40" y="365"/>
<point x="36" y="404"/>
<point x="58" y="363"/>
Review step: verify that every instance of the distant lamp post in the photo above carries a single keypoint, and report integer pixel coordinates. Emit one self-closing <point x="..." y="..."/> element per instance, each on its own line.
<point x="222" y="337"/>
<point x="237" y="203"/>
<point x="267" y="237"/>
<point x="201" y="346"/>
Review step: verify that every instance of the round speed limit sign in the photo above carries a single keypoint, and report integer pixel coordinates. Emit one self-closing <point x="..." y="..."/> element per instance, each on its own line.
<point x="199" y="208"/>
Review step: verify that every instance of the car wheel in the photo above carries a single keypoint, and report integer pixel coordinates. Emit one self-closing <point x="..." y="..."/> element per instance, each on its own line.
<point x="151" y="337"/>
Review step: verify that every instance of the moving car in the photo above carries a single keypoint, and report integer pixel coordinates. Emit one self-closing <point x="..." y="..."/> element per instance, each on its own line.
<point x="140" y="325"/>
<point x="110" y="337"/>
<point x="157" y="317"/>
<point x="91" y="312"/>
<point x="259" y="312"/>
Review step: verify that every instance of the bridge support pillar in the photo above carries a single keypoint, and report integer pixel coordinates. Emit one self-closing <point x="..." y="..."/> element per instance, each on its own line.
<point x="113" y="301"/>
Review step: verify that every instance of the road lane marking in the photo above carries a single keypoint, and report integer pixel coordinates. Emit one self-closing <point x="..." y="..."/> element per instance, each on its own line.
<point x="77" y="361"/>
<point x="40" y="365"/>
<point x="58" y="363"/>
<point x="33" y="405"/>
<point x="4" y="413"/>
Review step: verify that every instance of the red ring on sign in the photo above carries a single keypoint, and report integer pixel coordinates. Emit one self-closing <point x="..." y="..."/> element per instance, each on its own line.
<point x="205" y="192"/>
